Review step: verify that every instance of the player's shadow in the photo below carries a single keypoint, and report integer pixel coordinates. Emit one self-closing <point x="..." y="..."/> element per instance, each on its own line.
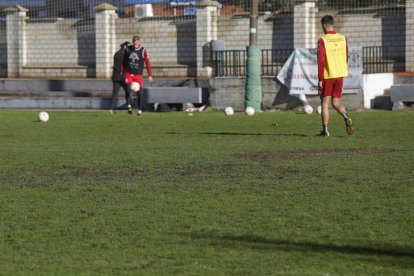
<point x="242" y="134"/>
<point x="256" y="242"/>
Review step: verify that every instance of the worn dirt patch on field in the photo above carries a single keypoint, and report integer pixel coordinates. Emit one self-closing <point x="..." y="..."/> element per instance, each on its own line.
<point x="300" y="154"/>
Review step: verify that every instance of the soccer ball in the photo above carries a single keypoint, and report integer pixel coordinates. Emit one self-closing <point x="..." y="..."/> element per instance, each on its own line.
<point x="249" y="111"/>
<point x="319" y="109"/>
<point x="229" y="111"/>
<point x="43" y="116"/>
<point x="307" y="109"/>
<point x="135" y="86"/>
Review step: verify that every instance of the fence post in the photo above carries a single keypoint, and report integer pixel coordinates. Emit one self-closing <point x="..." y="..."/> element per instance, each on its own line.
<point x="16" y="40"/>
<point x="206" y="28"/>
<point x="304" y="25"/>
<point x="409" y="36"/>
<point x="104" y="39"/>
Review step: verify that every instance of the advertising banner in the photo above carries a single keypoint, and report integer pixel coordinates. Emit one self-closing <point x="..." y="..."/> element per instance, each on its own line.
<point x="300" y="72"/>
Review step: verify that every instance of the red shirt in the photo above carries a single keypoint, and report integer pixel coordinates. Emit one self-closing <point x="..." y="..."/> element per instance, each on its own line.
<point x="322" y="56"/>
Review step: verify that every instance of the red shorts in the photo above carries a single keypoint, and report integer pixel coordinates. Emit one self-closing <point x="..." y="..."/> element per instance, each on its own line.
<point x="130" y="78"/>
<point x="332" y="87"/>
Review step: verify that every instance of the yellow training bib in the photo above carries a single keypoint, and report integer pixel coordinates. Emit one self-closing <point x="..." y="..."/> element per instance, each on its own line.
<point x="335" y="65"/>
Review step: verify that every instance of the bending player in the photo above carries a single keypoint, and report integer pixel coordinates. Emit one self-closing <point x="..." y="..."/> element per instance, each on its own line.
<point x="118" y="78"/>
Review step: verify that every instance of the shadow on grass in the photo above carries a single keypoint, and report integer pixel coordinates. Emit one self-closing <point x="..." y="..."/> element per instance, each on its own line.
<point x="286" y="245"/>
<point x="242" y="134"/>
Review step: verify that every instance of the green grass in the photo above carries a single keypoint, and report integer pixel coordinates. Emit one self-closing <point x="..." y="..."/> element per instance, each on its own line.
<point x="89" y="193"/>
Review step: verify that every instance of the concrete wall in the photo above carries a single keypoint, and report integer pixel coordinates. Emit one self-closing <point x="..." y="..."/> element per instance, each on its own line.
<point x="3" y="46"/>
<point x="375" y="30"/>
<point x="374" y="85"/>
<point x="59" y="42"/>
<point x="231" y="92"/>
<point x="167" y="41"/>
<point x="172" y="42"/>
<point x="409" y="51"/>
<point x="3" y="52"/>
<point x="276" y="32"/>
<point x="273" y="32"/>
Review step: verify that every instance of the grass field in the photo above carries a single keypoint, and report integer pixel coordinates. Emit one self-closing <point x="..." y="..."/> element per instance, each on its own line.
<point x="90" y="193"/>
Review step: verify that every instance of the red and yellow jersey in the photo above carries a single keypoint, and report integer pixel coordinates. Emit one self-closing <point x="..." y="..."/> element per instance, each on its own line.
<point x="332" y="56"/>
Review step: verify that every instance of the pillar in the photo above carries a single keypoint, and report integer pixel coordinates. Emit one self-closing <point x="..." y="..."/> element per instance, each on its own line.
<point x="16" y="40"/>
<point x="206" y="28"/>
<point x="304" y="25"/>
<point x="409" y="36"/>
<point x="105" y="36"/>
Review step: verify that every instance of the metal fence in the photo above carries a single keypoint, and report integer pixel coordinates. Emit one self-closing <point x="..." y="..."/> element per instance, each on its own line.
<point x="232" y="63"/>
<point x="174" y="31"/>
<point x="376" y="60"/>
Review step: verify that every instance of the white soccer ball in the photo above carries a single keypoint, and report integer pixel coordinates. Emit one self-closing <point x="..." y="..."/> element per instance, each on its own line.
<point x="135" y="86"/>
<point x="319" y="109"/>
<point x="249" y="111"/>
<point x="229" y="111"/>
<point x="307" y="109"/>
<point x="43" y="116"/>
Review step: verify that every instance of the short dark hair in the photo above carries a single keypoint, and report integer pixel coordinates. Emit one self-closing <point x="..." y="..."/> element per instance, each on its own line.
<point x="135" y="38"/>
<point x="327" y="19"/>
<point x="126" y="43"/>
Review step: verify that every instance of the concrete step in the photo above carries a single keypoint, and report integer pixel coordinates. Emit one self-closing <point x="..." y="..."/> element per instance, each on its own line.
<point x="84" y="85"/>
<point x="382" y="102"/>
<point x="60" y="100"/>
<point x="56" y="94"/>
<point x="56" y="103"/>
<point x="55" y="85"/>
<point x="404" y="78"/>
<point x="166" y="70"/>
<point x="402" y="94"/>
<point x="71" y="93"/>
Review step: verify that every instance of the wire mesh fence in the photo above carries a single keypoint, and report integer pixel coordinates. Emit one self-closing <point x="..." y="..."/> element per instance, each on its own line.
<point x="179" y="34"/>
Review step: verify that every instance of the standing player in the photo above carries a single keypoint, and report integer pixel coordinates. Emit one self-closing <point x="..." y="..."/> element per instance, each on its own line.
<point x="332" y="68"/>
<point x="135" y="58"/>
<point x="118" y="78"/>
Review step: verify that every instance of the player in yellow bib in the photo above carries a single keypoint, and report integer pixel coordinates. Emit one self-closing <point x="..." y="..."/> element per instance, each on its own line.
<point x="332" y="68"/>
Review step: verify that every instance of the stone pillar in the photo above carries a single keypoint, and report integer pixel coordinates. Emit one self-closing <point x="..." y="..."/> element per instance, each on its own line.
<point x="105" y="36"/>
<point x="16" y="40"/>
<point x="409" y="36"/>
<point x="206" y="27"/>
<point x="304" y="25"/>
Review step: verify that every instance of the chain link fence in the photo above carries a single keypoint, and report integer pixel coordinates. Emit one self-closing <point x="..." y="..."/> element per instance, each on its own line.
<point x="65" y="38"/>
